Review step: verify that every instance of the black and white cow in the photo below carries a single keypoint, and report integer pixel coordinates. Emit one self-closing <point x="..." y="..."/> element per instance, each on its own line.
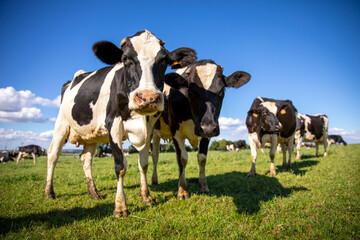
<point x="335" y="139"/>
<point x="119" y="102"/>
<point x="311" y="128"/>
<point x="271" y="121"/>
<point x="194" y="99"/>
<point x="241" y="144"/>
<point x="33" y="150"/>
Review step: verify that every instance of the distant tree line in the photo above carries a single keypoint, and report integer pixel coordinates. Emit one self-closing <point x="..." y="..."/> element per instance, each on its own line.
<point x="221" y="145"/>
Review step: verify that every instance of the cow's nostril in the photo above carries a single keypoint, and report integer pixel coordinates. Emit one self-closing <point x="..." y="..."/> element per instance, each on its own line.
<point x="151" y="99"/>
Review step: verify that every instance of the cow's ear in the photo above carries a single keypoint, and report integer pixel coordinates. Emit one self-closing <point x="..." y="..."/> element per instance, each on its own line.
<point x="237" y="79"/>
<point x="253" y="113"/>
<point x="182" y="57"/>
<point x="176" y="81"/>
<point x="107" y="52"/>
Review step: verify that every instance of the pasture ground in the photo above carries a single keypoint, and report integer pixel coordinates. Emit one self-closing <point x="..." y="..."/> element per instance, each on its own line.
<point x="317" y="199"/>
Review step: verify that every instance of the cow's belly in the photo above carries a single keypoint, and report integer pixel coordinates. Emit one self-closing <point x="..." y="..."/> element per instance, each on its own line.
<point x="187" y="129"/>
<point x="312" y="138"/>
<point x="87" y="135"/>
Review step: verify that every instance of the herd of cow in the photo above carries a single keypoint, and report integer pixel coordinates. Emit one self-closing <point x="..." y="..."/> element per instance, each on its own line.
<point x="134" y="99"/>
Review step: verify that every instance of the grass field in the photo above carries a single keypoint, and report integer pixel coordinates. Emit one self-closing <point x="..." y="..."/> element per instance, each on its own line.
<point x="318" y="199"/>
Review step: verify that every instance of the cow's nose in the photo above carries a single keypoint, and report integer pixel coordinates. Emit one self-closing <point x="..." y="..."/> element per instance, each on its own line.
<point x="209" y="130"/>
<point x="145" y="98"/>
<point x="278" y="128"/>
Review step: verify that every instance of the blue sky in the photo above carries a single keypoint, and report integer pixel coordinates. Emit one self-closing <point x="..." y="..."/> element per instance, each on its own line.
<point x="306" y="51"/>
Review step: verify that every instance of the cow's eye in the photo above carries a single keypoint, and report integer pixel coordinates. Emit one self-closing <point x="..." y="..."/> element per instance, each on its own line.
<point x="283" y="111"/>
<point x="126" y="60"/>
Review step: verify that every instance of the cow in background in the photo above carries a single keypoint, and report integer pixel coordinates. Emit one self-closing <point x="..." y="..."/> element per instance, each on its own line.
<point x="311" y="128"/>
<point x="119" y="102"/>
<point x="230" y="147"/>
<point x="241" y="144"/>
<point x="30" y="150"/>
<point x="272" y="121"/>
<point x="194" y="98"/>
<point x="335" y="139"/>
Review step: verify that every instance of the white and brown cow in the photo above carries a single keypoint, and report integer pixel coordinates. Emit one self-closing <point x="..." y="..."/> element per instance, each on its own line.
<point x="311" y="128"/>
<point x="114" y="103"/>
<point x="194" y="98"/>
<point x="271" y="121"/>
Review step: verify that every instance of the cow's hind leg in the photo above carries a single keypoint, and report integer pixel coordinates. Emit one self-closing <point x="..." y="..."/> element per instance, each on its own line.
<point x="274" y="143"/>
<point x="60" y="134"/>
<point x="182" y="158"/>
<point x="34" y="158"/>
<point x="203" y="187"/>
<point x="86" y="159"/>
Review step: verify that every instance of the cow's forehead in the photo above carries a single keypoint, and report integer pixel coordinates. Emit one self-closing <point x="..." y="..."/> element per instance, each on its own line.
<point x="206" y="74"/>
<point x="271" y="106"/>
<point x="146" y="45"/>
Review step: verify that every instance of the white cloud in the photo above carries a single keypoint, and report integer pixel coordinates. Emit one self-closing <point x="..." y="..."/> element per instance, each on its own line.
<point x="12" y="138"/>
<point x="352" y="136"/>
<point x="226" y="122"/>
<point x="232" y="129"/>
<point x="17" y="106"/>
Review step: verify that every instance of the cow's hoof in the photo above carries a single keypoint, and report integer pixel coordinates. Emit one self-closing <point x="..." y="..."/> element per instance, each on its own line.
<point x="325" y="154"/>
<point x="272" y="173"/>
<point x="183" y="196"/>
<point x="251" y="174"/>
<point x="154" y="182"/>
<point x="49" y="197"/>
<point x="298" y="158"/>
<point x="96" y="197"/>
<point x="204" y="192"/>
<point x="119" y="214"/>
<point x="148" y="201"/>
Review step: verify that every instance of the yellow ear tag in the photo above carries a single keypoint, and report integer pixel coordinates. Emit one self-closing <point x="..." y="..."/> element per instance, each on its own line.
<point x="255" y="115"/>
<point x="174" y="63"/>
<point x="282" y="111"/>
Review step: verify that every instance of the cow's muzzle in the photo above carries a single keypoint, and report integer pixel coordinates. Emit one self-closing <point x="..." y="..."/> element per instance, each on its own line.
<point x="148" y="102"/>
<point x="209" y="130"/>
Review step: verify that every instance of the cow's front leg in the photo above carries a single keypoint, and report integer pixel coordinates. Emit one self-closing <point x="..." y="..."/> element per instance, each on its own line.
<point x="120" y="170"/>
<point x="181" y="156"/>
<point x="155" y="158"/>
<point x="274" y="142"/>
<point x="325" y="145"/>
<point x="202" y="154"/>
<point x="34" y="158"/>
<point x="86" y="159"/>
<point x="317" y="149"/>
<point x="143" y="167"/>
<point x="283" y="150"/>
<point x="253" y="146"/>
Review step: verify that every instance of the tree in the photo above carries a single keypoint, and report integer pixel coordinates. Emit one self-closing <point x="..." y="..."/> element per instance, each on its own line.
<point x="132" y="149"/>
<point x="169" y="147"/>
<point x="222" y="145"/>
<point x="102" y="149"/>
<point x="214" y="145"/>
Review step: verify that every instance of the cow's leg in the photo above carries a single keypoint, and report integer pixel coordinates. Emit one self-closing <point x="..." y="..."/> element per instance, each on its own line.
<point x="283" y="149"/>
<point x="60" y="133"/>
<point x="203" y="149"/>
<point x="18" y="158"/>
<point x="274" y="142"/>
<point x="86" y="159"/>
<point x="120" y="170"/>
<point x="253" y="147"/>
<point x="143" y="167"/>
<point x="155" y="157"/>
<point x="325" y="144"/>
<point x="182" y="157"/>
<point x="34" y="158"/>
<point x="317" y="148"/>
<point x="290" y="150"/>
<point x="298" y="147"/>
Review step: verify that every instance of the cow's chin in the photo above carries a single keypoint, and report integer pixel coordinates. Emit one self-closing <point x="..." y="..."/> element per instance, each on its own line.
<point x="149" y="110"/>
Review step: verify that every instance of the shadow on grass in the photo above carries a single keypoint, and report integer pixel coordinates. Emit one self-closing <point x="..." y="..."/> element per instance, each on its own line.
<point x="55" y="218"/>
<point x="298" y="166"/>
<point x="247" y="193"/>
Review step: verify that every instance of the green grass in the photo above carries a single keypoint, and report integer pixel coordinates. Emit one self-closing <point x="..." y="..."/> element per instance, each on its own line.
<point x="317" y="199"/>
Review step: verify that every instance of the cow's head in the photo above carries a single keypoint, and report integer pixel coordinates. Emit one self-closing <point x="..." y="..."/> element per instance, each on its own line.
<point x="205" y="84"/>
<point x="271" y="116"/>
<point x="144" y="60"/>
